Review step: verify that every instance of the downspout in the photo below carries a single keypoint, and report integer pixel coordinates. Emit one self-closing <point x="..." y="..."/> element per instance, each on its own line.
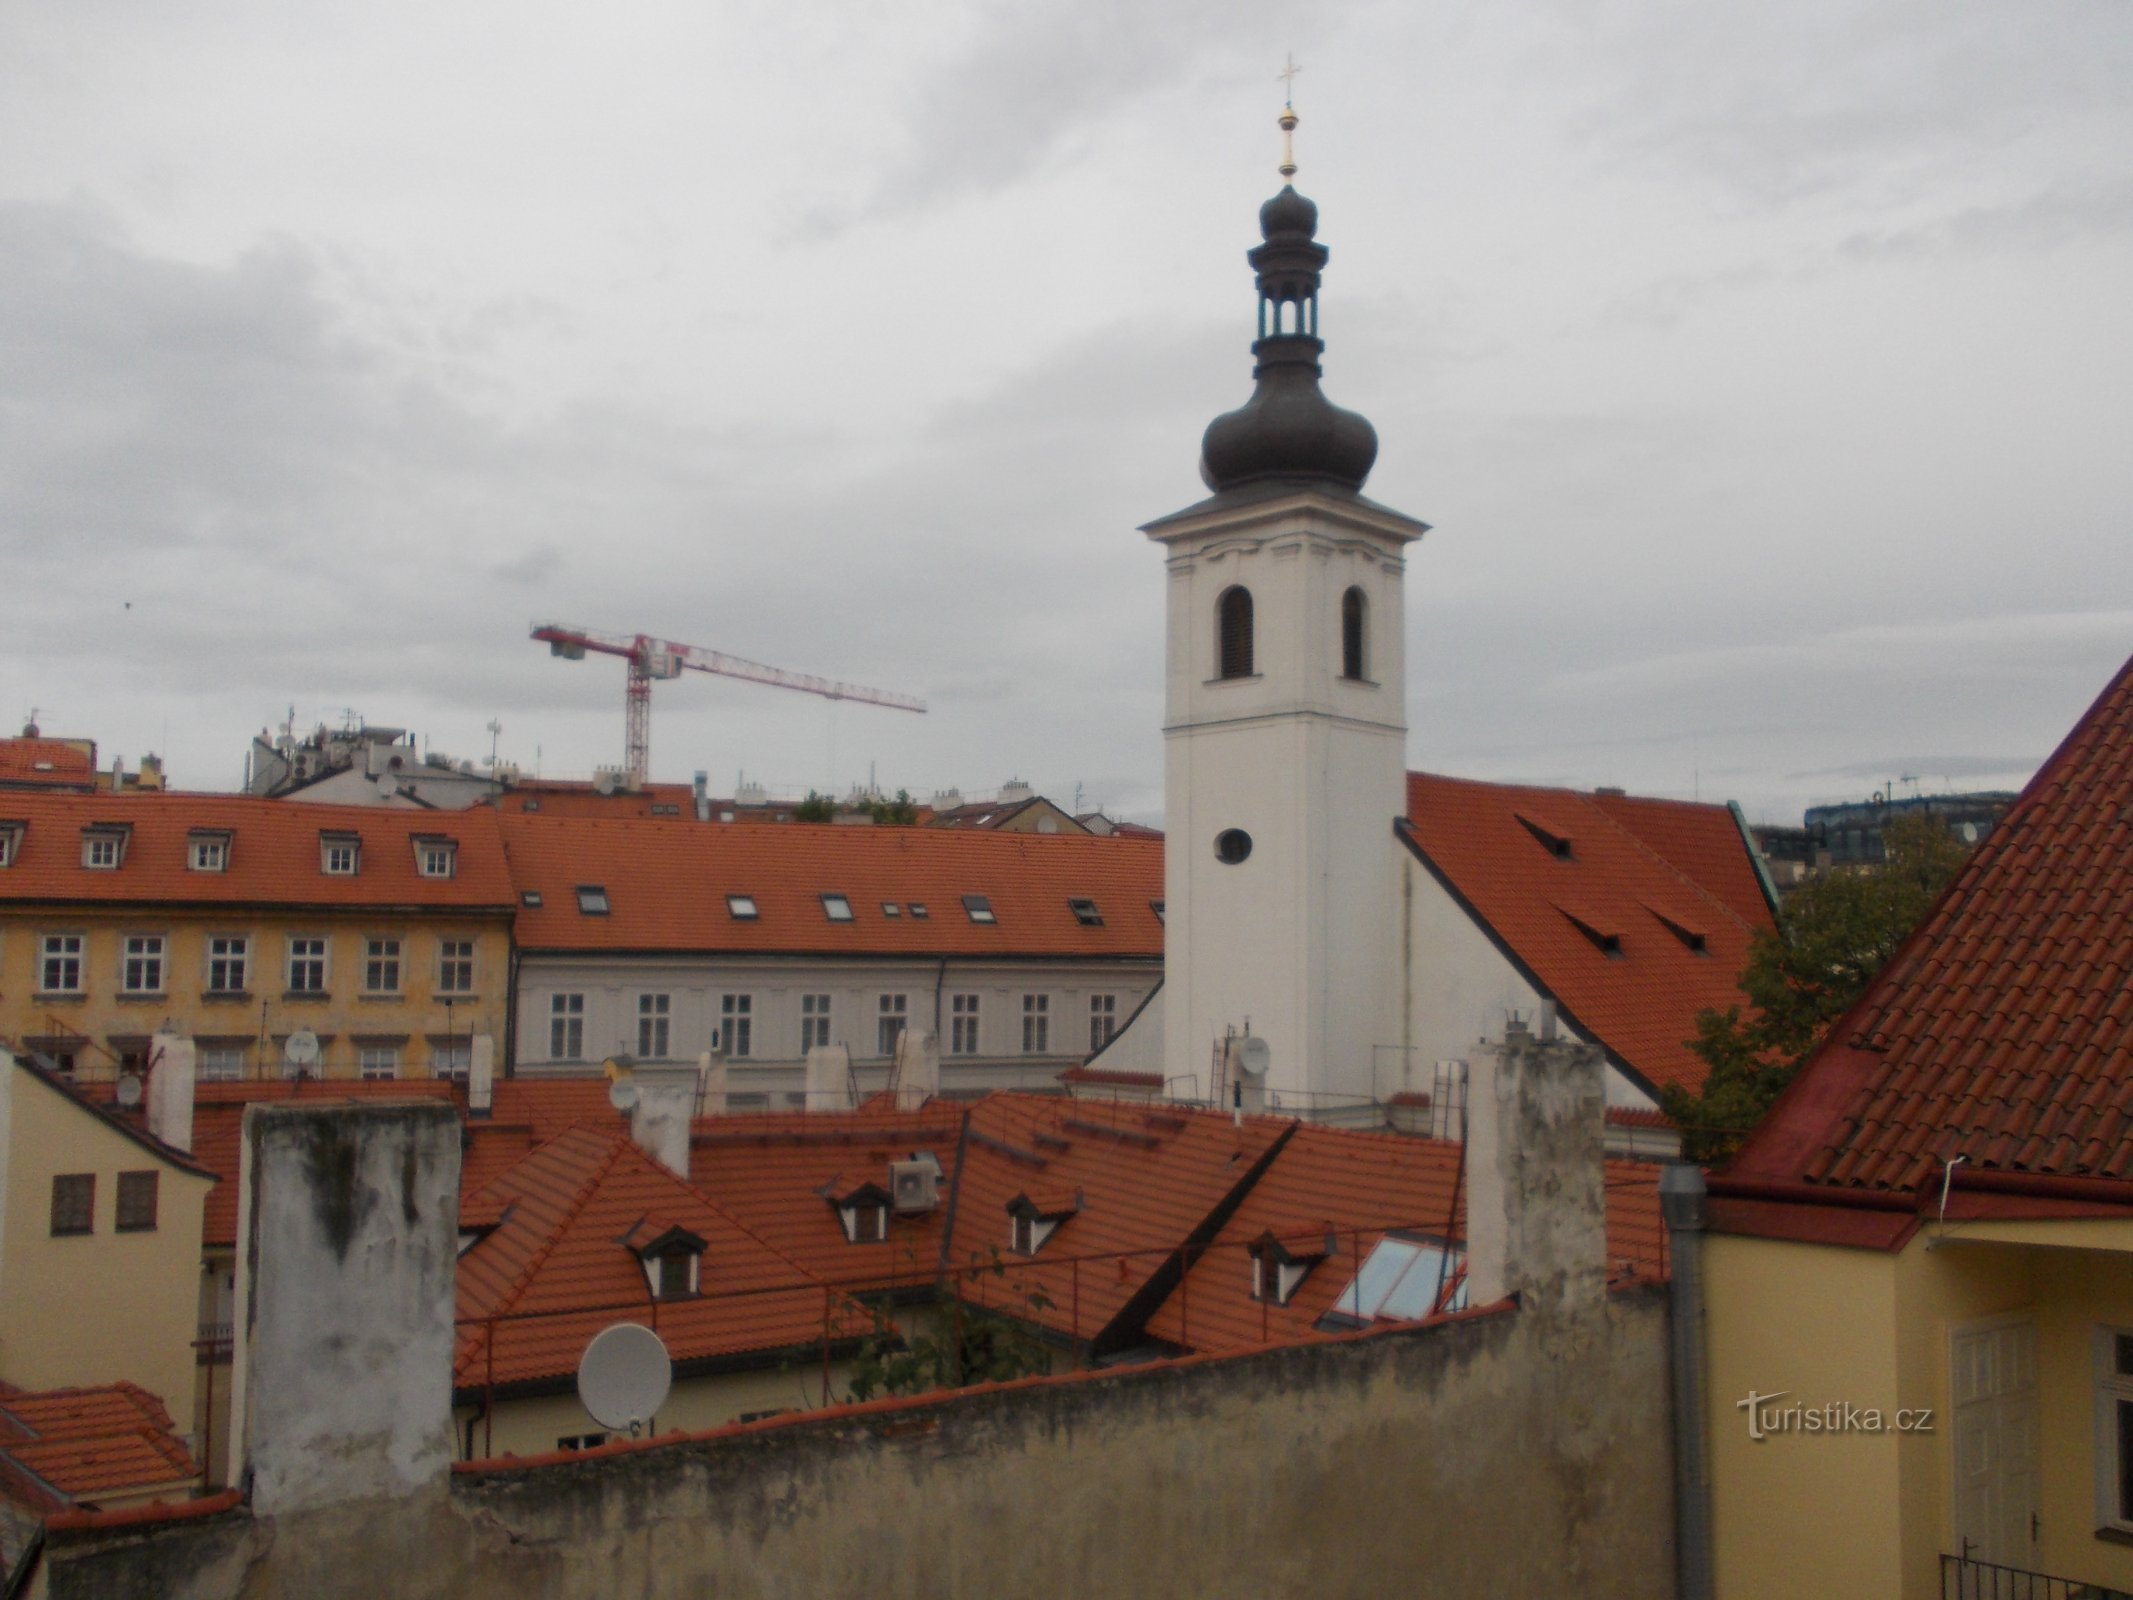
<point x="1681" y="1202"/>
<point x="940" y="980"/>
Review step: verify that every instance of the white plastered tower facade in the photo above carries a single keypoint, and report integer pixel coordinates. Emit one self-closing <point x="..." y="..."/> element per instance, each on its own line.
<point x="1285" y="725"/>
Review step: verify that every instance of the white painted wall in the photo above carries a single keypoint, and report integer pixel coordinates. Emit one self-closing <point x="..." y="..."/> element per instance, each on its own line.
<point x="1312" y="766"/>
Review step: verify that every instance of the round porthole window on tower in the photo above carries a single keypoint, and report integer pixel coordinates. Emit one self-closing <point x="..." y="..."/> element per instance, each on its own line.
<point x="1232" y="845"/>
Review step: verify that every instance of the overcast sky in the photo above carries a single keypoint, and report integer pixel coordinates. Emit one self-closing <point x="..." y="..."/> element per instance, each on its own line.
<point x="1765" y="371"/>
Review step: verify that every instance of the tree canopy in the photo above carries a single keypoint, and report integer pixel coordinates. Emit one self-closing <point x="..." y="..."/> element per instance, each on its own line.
<point x="1833" y="936"/>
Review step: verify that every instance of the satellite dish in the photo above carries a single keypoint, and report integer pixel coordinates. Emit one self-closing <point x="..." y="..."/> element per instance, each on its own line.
<point x="129" y="1089"/>
<point x="1253" y="1056"/>
<point x="624" y="1376"/>
<point x="301" y="1052"/>
<point x="620" y="1071"/>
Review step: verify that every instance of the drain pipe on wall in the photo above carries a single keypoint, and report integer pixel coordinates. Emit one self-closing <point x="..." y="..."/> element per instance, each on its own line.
<point x="1681" y="1201"/>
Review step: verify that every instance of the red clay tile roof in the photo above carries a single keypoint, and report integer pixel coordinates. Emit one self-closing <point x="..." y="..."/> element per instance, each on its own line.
<point x="2002" y="1032"/>
<point x="274" y="856"/>
<point x="1358" y="1186"/>
<point x="1652" y="876"/>
<point x="557" y="797"/>
<point x="558" y="1268"/>
<point x="770" y="1172"/>
<point x="1149" y="1178"/>
<point x="667" y="884"/>
<point x="42" y="762"/>
<point x="92" y="1442"/>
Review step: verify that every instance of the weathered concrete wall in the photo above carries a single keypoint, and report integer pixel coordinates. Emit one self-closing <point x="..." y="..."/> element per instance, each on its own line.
<point x="348" y="1228"/>
<point x="1504" y="1454"/>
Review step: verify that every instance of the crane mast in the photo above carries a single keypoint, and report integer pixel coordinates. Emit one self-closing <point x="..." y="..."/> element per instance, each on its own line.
<point x="648" y="659"/>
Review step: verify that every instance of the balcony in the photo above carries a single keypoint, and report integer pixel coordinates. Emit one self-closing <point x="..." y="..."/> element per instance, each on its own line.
<point x="1961" y="1579"/>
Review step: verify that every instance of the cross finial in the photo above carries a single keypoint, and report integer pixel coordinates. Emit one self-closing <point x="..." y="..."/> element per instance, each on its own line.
<point x="1287" y="119"/>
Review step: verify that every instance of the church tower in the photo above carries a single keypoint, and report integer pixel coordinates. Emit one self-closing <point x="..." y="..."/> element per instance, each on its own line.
<point x="1286" y="718"/>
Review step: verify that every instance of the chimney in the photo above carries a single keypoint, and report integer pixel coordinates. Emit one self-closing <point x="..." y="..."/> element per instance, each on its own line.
<point x="711" y="1071"/>
<point x="829" y="1078"/>
<point x="665" y="1106"/>
<point x="1537" y="1198"/>
<point x="702" y="794"/>
<point x="918" y="1067"/>
<point x="481" y="1075"/>
<point x="172" y="1070"/>
<point x="348" y="1228"/>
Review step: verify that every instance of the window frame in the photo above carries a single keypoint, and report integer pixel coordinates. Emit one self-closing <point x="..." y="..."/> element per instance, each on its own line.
<point x="884" y="1014"/>
<point x="655" y="1025"/>
<point x="382" y="956"/>
<point x="815" y="1014"/>
<point x="73" y="961"/>
<point x="97" y="844"/>
<point x="838" y="908"/>
<point x="129" y="1217"/>
<point x="593" y="901"/>
<point x="566" y="1025"/>
<point x="221" y="1063"/>
<point x="452" y="964"/>
<point x="1235" y="653"/>
<point x="199" y="844"/>
<point x="340" y="855"/>
<point x="224" y="950"/>
<point x="1036" y="1024"/>
<point x="298" y="953"/>
<point x="978" y="908"/>
<point x="1103" y="1020"/>
<point x="1086" y="911"/>
<point x="436" y="857"/>
<point x="743" y="908"/>
<point x="2113" y="1379"/>
<point x="10" y="842"/>
<point x="736" y="1025"/>
<point x="137" y="964"/>
<point x="80" y="1193"/>
<point x="1355" y="635"/>
<point x="965" y="1023"/>
<point x="378" y="1062"/>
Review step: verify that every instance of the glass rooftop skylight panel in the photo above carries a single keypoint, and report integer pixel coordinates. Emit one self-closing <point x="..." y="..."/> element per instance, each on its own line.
<point x="837" y="908"/>
<point x="1400" y="1279"/>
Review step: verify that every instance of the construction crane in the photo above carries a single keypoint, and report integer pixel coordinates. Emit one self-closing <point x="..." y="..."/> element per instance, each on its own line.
<point x="651" y="658"/>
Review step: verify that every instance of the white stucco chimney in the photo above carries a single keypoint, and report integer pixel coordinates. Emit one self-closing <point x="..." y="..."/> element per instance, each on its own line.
<point x="711" y="1073"/>
<point x="829" y="1078"/>
<point x="1536" y="1174"/>
<point x="481" y="1075"/>
<point x="918" y="1068"/>
<point x="172" y="1072"/>
<point x="665" y="1106"/>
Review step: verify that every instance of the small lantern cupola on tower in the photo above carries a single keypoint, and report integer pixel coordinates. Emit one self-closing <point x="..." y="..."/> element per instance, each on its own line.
<point x="1288" y="428"/>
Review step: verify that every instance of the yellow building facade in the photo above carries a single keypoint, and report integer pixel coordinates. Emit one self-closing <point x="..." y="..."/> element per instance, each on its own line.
<point x="99" y="1246"/>
<point x="258" y="929"/>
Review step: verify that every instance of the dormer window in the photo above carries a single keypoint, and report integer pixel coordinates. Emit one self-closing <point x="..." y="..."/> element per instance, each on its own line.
<point x="672" y="1258"/>
<point x="339" y="854"/>
<point x="10" y="842"/>
<point x="103" y="847"/>
<point x="1279" y="1268"/>
<point x="436" y="858"/>
<point x="1033" y="1216"/>
<point x="862" y="1211"/>
<point x="979" y="908"/>
<point x="1692" y="937"/>
<point x="1604" y="939"/>
<point x="206" y="851"/>
<point x="1555" y="842"/>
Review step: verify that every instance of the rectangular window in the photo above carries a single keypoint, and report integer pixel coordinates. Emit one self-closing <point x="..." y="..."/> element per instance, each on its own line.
<point x="1085" y="913"/>
<point x="889" y="908"/>
<point x="228" y="962"/>
<point x="919" y="913"/>
<point x="339" y="854"/>
<point x="435" y="858"/>
<point x="378" y="1062"/>
<point x="100" y="850"/>
<point x="221" y="1063"/>
<point x="566" y="1027"/>
<point x="979" y="908"/>
<point x="652" y="1013"/>
<point x="10" y="842"/>
<point x="73" y="1203"/>
<point x="208" y="852"/>
<point x="1103" y="1020"/>
<point x="892" y="1015"/>
<point x="837" y="907"/>
<point x="2114" y="1428"/>
<point x="592" y="900"/>
<point x="455" y="966"/>
<point x="60" y="970"/>
<point x="741" y="907"/>
<point x="142" y="970"/>
<point x="814" y="1021"/>
<point x="307" y="965"/>
<point x="1036" y="1024"/>
<point x="674" y="1275"/>
<point x="963" y="1025"/>
<point x="137" y="1202"/>
<point x="736" y="1015"/>
<point x="381" y="966"/>
<point x="579" y="1441"/>
<point x="453" y="1059"/>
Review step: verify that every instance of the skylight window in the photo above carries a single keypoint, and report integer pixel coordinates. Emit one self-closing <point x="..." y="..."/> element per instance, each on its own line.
<point x="919" y="913"/>
<point x="889" y="908"/>
<point x="837" y="907"/>
<point x="979" y="907"/>
<point x="1157" y="907"/>
<point x="741" y="907"/>
<point x="1402" y="1279"/>
<point x="1085" y="912"/>
<point x="592" y="900"/>
<point x="530" y="898"/>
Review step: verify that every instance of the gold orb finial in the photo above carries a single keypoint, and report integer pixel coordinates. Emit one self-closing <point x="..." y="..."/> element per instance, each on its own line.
<point x="1287" y="119"/>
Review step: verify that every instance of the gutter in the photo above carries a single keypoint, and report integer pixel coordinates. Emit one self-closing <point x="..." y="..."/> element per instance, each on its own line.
<point x="1813" y="1194"/>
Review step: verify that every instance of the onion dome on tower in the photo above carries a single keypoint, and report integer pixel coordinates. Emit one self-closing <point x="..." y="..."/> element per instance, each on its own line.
<point x="1288" y="429"/>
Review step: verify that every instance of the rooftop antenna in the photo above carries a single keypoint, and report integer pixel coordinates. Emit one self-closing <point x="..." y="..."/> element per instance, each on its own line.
<point x="496" y="730"/>
<point x="1287" y="76"/>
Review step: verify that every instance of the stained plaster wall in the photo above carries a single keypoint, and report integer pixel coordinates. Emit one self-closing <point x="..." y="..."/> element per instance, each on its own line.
<point x="1503" y="1454"/>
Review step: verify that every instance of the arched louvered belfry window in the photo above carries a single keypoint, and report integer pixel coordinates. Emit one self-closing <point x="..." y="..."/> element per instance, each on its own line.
<point x="1354" y="614"/>
<point x="1233" y="626"/>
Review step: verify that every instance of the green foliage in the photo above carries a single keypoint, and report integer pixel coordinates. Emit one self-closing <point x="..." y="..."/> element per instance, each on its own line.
<point x="901" y="812"/>
<point x="968" y="1344"/>
<point x="815" y="808"/>
<point x="1834" y="935"/>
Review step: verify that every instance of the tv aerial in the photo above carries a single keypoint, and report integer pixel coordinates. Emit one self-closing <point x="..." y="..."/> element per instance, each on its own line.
<point x="624" y="1376"/>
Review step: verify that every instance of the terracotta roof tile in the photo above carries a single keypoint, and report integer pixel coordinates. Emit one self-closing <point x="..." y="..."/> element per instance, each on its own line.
<point x="1639" y="921"/>
<point x="274" y="856"/>
<point x="45" y="761"/>
<point x="2002" y="1031"/>
<point x="90" y="1443"/>
<point x="667" y="883"/>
